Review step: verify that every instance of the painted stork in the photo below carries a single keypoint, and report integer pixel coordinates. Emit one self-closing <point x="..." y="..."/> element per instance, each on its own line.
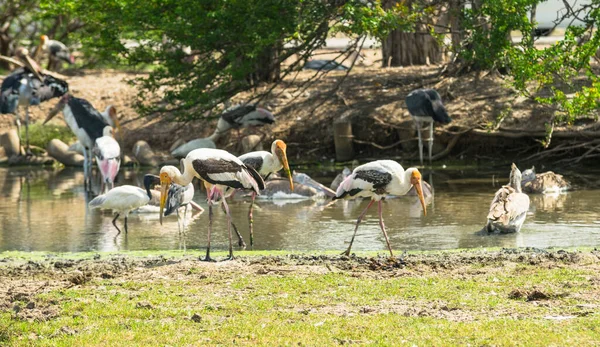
<point x="56" y="51"/>
<point x="509" y="206"/>
<point x="425" y="105"/>
<point x="177" y="197"/>
<point x="26" y="87"/>
<point x="122" y="200"/>
<point x="108" y="157"/>
<point x="86" y="123"/>
<point x="376" y="180"/>
<point x="266" y="163"/>
<point x="544" y="183"/>
<point x="218" y="170"/>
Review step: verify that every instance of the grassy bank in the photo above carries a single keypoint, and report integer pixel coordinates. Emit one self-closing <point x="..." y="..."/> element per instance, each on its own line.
<point x="497" y="297"/>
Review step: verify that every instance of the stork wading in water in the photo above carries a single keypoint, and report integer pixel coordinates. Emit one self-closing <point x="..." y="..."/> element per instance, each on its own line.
<point x="86" y="123"/>
<point x="122" y="200"/>
<point x="108" y="158"/>
<point x="57" y="51"/>
<point x="425" y="105"/>
<point x="177" y="197"/>
<point x="266" y="163"/>
<point x="375" y="180"/>
<point x="509" y="206"/>
<point x="543" y="183"/>
<point x="25" y="87"/>
<point x="218" y="170"/>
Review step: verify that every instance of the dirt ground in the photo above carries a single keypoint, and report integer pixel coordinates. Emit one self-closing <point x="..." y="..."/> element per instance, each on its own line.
<point x="372" y="98"/>
<point x="22" y="281"/>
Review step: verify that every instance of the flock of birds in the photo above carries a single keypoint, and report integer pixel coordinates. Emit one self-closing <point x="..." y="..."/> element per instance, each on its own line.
<point x="223" y="173"/>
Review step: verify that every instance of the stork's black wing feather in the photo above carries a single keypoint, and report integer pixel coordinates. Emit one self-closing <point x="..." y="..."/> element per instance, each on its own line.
<point x="236" y="113"/>
<point x="87" y="117"/>
<point x="427" y="103"/>
<point x="52" y="87"/>
<point x="9" y="91"/>
<point x="217" y="171"/>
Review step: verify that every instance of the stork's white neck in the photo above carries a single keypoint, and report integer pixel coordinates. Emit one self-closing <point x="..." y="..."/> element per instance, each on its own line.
<point x="405" y="184"/>
<point x="176" y="175"/>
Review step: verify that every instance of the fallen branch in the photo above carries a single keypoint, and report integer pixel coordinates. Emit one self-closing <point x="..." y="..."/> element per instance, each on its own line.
<point x="450" y="145"/>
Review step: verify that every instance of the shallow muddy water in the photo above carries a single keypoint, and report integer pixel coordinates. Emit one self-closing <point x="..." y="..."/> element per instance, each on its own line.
<point x="46" y="210"/>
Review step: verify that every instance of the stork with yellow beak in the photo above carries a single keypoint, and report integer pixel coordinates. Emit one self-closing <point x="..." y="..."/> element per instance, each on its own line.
<point x="266" y="163"/>
<point x="376" y="180"/>
<point x="219" y="170"/>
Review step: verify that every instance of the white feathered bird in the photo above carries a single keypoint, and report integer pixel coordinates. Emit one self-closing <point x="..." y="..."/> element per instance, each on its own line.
<point x="121" y="200"/>
<point x="108" y="158"/>
<point x="375" y="180"/>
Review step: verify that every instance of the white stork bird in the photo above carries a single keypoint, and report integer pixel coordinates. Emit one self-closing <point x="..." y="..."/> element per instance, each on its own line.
<point x="509" y="206"/>
<point x="266" y="163"/>
<point x="25" y="87"/>
<point x="56" y="51"/>
<point x="544" y="183"/>
<point x="122" y="199"/>
<point x="218" y="170"/>
<point x="236" y="117"/>
<point x="376" y="180"/>
<point x="86" y="123"/>
<point x="177" y="197"/>
<point x="425" y="105"/>
<point x="108" y="157"/>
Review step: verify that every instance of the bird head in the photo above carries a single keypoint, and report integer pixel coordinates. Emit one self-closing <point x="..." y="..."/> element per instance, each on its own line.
<point x="415" y="180"/>
<point x="112" y="114"/>
<point x="43" y="39"/>
<point x="279" y="148"/>
<point x="59" y="106"/>
<point x="30" y="64"/>
<point x="166" y="179"/>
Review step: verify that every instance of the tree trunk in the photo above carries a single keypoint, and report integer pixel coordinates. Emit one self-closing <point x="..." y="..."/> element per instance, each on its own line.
<point x="403" y="48"/>
<point x="268" y="66"/>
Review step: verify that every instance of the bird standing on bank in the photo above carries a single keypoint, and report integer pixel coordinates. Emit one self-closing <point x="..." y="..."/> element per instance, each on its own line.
<point x="425" y="105"/>
<point x="122" y="200"/>
<point x="218" y="170"/>
<point x="375" y="180"/>
<point x="509" y="206"/>
<point x="266" y="163"/>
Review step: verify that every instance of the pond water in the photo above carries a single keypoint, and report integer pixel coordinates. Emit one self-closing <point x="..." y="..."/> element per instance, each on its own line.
<point x="46" y="210"/>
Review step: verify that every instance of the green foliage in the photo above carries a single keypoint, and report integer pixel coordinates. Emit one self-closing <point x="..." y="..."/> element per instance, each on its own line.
<point x="40" y="135"/>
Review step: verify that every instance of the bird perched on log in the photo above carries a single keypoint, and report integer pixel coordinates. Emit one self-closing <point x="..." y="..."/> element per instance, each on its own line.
<point x="509" y="206"/>
<point x="86" y="123"/>
<point x="375" y="180"/>
<point x="28" y="86"/>
<point x="425" y="105"/>
<point x="57" y="51"/>
<point x="544" y="183"/>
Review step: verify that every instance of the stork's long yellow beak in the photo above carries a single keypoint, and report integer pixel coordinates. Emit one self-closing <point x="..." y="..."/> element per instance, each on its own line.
<point x="415" y="180"/>
<point x="282" y="154"/>
<point x="165" y="183"/>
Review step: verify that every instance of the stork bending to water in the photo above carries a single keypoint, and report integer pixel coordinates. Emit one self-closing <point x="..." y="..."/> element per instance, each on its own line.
<point x="425" y="105"/>
<point x="509" y="206"/>
<point x="218" y="170"/>
<point x="122" y="199"/>
<point x="375" y="180"/>
<point x="266" y="163"/>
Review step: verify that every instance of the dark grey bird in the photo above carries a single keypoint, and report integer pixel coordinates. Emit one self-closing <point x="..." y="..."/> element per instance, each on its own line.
<point x="27" y="86"/>
<point x="244" y="116"/>
<point x="56" y="50"/>
<point x="324" y="65"/>
<point x="177" y="197"/>
<point x="425" y="105"/>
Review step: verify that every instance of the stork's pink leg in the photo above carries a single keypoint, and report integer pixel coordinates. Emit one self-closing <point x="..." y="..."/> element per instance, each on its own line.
<point x="362" y="215"/>
<point x="228" y="229"/>
<point x="210" y="220"/>
<point x="387" y="240"/>
<point x="251" y="220"/>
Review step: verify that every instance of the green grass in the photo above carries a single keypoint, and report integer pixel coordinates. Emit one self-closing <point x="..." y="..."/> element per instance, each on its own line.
<point x="271" y="299"/>
<point x="40" y="135"/>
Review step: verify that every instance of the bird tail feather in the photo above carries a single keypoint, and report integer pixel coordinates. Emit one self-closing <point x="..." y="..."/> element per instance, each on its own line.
<point x="97" y="202"/>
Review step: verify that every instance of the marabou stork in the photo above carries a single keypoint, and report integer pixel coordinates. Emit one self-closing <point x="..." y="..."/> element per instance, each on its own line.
<point x="86" y="123"/>
<point x="56" y="51"/>
<point x="122" y="199"/>
<point x="544" y="183"/>
<point x="266" y="163"/>
<point x="376" y="180"/>
<point x="28" y="86"/>
<point x="425" y="105"/>
<point x="177" y="197"/>
<point x="108" y="157"/>
<point x="218" y="170"/>
<point x="509" y="206"/>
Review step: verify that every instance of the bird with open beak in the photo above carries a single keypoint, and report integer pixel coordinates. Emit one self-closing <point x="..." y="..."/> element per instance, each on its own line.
<point x="266" y="163"/>
<point x="376" y="180"/>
